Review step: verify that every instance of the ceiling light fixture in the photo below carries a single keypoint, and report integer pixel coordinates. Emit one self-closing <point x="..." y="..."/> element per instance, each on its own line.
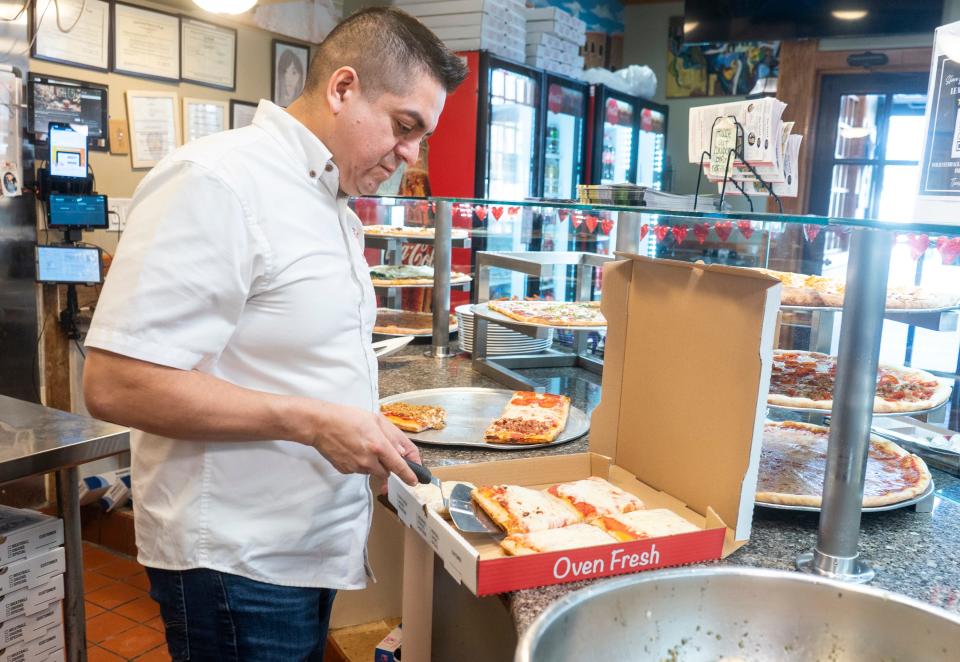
<point x="849" y="14"/>
<point x="225" y="6"/>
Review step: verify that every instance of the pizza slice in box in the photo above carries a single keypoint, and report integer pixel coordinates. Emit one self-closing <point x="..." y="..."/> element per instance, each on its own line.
<point x="555" y="540"/>
<point x="641" y="524"/>
<point x="595" y="497"/>
<point x="518" y="509"/>
<point x="530" y="418"/>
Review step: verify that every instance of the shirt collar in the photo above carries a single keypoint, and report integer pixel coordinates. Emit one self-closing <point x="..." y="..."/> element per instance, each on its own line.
<point x="308" y="151"/>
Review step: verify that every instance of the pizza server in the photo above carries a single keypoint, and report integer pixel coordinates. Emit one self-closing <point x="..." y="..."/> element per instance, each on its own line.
<point x="460" y="505"/>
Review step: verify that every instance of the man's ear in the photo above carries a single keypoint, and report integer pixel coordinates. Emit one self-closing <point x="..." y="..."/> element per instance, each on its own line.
<point x="343" y="84"/>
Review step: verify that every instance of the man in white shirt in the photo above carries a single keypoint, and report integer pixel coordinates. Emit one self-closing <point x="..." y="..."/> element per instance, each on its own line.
<point x="233" y="334"/>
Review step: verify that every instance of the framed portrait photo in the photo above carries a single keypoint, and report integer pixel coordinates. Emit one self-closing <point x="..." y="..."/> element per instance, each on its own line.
<point x="289" y="71"/>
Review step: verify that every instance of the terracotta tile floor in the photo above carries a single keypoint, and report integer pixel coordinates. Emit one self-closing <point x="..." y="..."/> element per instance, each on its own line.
<point x="123" y="623"/>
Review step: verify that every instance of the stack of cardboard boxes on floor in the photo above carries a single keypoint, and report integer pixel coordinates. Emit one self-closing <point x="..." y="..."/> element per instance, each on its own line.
<point x="554" y="38"/>
<point x="498" y="26"/>
<point x="32" y="564"/>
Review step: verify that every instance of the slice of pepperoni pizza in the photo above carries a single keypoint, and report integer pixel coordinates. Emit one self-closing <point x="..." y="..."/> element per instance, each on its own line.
<point x="530" y="418"/>
<point x="518" y="509"/>
<point x="595" y="496"/>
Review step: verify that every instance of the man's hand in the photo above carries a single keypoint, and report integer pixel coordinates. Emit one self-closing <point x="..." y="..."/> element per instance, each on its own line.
<point x="358" y="441"/>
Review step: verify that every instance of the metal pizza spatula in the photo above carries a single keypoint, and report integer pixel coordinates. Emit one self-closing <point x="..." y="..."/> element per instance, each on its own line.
<point x="466" y="515"/>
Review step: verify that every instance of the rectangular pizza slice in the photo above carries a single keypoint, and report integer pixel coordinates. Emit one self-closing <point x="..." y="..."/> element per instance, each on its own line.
<point x="595" y="496"/>
<point x="414" y="418"/>
<point x="642" y="524"/>
<point x="518" y="509"/>
<point x="555" y="540"/>
<point x="530" y="418"/>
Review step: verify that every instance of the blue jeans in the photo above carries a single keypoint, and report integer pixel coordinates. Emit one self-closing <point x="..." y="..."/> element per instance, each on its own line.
<point x="212" y="616"/>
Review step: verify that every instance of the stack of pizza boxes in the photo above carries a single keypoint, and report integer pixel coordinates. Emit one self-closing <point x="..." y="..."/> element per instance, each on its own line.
<point x="686" y="372"/>
<point x="32" y="564"/>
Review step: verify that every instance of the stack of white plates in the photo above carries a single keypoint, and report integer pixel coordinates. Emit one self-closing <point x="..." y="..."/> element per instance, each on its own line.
<point x="500" y="340"/>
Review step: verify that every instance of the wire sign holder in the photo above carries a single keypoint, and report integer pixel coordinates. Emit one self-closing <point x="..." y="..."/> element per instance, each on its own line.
<point x="734" y="150"/>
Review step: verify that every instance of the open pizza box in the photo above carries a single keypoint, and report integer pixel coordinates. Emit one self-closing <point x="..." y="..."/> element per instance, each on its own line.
<point x="686" y="373"/>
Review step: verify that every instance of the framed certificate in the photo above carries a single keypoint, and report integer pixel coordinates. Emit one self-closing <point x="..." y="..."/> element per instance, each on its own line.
<point x="241" y="113"/>
<point x="208" y="54"/>
<point x="203" y="117"/>
<point x="86" y="45"/>
<point x="154" y="126"/>
<point x="146" y="43"/>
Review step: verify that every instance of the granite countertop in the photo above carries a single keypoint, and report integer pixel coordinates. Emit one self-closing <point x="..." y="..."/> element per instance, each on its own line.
<point x="916" y="554"/>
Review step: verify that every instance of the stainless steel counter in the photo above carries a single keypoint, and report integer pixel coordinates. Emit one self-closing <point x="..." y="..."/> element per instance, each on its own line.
<point x="34" y="440"/>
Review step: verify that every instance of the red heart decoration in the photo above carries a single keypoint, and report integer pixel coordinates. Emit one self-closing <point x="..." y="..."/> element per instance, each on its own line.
<point x="811" y="231"/>
<point x="723" y="229"/>
<point x="919" y="243"/>
<point x="607" y="224"/>
<point x="700" y="231"/>
<point x="661" y="231"/>
<point x="562" y="214"/>
<point x="576" y="220"/>
<point x="949" y="248"/>
<point x="497" y="212"/>
<point x="679" y="232"/>
<point x="481" y="212"/>
<point x="592" y="222"/>
<point x="644" y="229"/>
<point x="745" y="229"/>
<point x="513" y="211"/>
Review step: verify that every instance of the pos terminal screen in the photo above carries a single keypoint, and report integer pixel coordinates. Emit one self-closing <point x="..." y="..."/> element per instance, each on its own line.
<point x="68" y="152"/>
<point x="68" y="264"/>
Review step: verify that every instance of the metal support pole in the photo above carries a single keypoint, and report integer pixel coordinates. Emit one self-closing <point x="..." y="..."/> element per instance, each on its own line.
<point x="628" y="232"/>
<point x="74" y="618"/>
<point x="442" y="249"/>
<point x="836" y="553"/>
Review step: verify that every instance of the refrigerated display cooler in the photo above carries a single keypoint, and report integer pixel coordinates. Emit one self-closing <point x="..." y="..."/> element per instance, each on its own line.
<point x="564" y="141"/>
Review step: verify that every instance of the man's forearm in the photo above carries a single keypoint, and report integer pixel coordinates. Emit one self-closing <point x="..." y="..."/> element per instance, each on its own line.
<point x="185" y="404"/>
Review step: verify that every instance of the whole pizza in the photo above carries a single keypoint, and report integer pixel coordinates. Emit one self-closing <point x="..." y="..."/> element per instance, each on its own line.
<point x="793" y="463"/>
<point x="391" y="321"/>
<point x="827" y="292"/>
<point x="408" y="232"/>
<point x="386" y="275"/>
<point x="805" y="380"/>
<point x="552" y="313"/>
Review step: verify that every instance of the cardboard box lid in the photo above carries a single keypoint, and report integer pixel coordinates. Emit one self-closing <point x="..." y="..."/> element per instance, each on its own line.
<point x="686" y="374"/>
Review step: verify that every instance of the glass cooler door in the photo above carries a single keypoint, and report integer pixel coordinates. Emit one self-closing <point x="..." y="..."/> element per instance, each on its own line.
<point x="617" y="151"/>
<point x="563" y="144"/>
<point x="651" y="148"/>
<point x="512" y="105"/>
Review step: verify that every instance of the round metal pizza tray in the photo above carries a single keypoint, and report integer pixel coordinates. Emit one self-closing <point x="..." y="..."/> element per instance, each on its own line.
<point x="484" y="310"/>
<point x="876" y="509"/>
<point x="470" y="410"/>
<point x="454" y="327"/>
<point x="888" y="311"/>
<point x="458" y="283"/>
<point x="828" y="412"/>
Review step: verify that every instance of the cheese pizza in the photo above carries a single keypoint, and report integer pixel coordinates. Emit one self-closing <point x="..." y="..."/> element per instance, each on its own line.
<point x="555" y="540"/>
<point x="595" y="496"/>
<point x="395" y="322"/>
<point x="386" y="275"/>
<point x="805" y="380"/>
<point x="551" y="313"/>
<point x="530" y="418"/>
<point x="793" y="462"/>
<point x="641" y="524"/>
<point x="414" y="418"/>
<point x="518" y="509"/>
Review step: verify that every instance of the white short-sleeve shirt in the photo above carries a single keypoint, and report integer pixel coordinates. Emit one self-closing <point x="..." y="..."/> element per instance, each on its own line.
<point x="241" y="260"/>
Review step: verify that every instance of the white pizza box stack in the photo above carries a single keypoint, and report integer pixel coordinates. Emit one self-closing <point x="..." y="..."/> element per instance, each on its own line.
<point x="676" y="436"/>
<point x="554" y="38"/>
<point x="26" y="533"/>
<point x="32" y="626"/>
<point x="32" y="572"/>
<point x="47" y="647"/>
<point x="31" y="600"/>
<point x="498" y="26"/>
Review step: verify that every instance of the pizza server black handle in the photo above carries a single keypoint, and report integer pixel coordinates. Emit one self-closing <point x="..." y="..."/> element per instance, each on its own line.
<point x="422" y="473"/>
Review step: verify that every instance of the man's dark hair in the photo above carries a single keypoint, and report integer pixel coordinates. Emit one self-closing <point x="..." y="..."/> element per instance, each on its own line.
<point x="386" y="46"/>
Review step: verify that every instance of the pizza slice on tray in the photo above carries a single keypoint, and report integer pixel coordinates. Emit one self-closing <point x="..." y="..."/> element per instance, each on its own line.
<point x="530" y="418"/>
<point x="641" y="524"/>
<point x="595" y="497"/>
<point x="552" y="313"/>
<point x="414" y="418"/>
<point x="555" y="540"/>
<point x="517" y="509"/>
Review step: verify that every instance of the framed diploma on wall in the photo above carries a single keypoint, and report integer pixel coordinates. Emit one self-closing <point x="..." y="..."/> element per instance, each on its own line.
<point x="154" y="119"/>
<point x="146" y="43"/>
<point x="203" y="117"/>
<point x="87" y="42"/>
<point x="241" y="113"/>
<point x="208" y="54"/>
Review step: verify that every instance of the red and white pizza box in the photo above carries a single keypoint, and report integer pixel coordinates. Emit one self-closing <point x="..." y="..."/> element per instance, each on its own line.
<point x="26" y="628"/>
<point x="32" y="572"/>
<point x="31" y="600"/>
<point x="48" y="647"/>
<point x="687" y="369"/>
<point x="25" y="533"/>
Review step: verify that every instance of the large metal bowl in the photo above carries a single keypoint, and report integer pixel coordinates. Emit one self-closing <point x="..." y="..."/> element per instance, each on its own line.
<point x="738" y="614"/>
